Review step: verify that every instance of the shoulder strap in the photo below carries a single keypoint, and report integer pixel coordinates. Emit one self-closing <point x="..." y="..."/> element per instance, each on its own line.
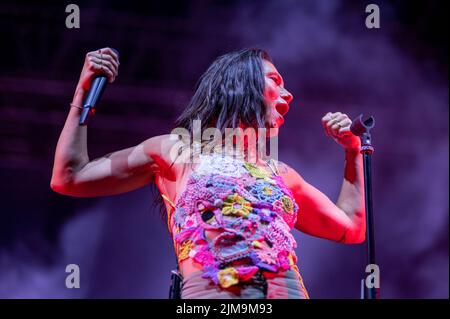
<point x="272" y="164"/>
<point x="166" y="198"/>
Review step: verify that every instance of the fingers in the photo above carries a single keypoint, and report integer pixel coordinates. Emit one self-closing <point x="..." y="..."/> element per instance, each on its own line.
<point x="109" y="66"/>
<point x="106" y="57"/>
<point x="100" y="67"/>
<point x="325" y="120"/>
<point x="106" y="68"/>
<point x="328" y="120"/>
<point x="104" y="61"/>
<point x="110" y="52"/>
<point x="107" y="53"/>
<point x="339" y="122"/>
<point x="336" y="124"/>
<point x="344" y="126"/>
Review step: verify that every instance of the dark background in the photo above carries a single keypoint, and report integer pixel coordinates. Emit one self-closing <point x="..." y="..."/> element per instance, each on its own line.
<point x="330" y="62"/>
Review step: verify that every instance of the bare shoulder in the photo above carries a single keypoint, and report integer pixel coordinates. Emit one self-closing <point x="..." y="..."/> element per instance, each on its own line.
<point x="164" y="150"/>
<point x="291" y="177"/>
<point x="162" y="146"/>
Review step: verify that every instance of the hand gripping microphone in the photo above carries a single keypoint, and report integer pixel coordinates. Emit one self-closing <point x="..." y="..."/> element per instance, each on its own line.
<point x="98" y="85"/>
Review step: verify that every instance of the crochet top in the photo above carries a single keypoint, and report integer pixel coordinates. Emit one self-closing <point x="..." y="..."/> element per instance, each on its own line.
<point x="249" y="207"/>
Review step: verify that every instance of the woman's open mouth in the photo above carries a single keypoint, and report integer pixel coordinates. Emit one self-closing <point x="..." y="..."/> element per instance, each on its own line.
<point x="282" y="108"/>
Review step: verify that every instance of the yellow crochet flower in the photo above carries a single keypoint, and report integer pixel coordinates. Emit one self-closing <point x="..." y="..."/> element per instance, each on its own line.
<point x="288" y="205"/>
<point x="236" y="205"/>
<point x="228" y="277"/>
<point x="185" y="249"/>
<point x="267" y="191"/>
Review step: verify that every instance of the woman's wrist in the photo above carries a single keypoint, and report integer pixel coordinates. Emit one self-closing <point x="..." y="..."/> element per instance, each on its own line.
<point x="353" y="150"/>
<point x="76" y="106"/>
<point x="78" y="97"/>
<point x="79" y="94"/>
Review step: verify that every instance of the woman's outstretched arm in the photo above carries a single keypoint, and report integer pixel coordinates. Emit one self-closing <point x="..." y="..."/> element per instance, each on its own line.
<point x="343" y="221"/>
<point x="74" y="174"/>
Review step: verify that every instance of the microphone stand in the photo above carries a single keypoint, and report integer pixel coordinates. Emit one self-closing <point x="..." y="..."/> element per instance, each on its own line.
<point x="175" y="284"/>
<point x="362" y="129"/>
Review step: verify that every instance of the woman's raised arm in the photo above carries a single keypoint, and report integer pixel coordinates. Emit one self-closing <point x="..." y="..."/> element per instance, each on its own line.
<point x="343" y="221"/>
<point x="118" y="172"/>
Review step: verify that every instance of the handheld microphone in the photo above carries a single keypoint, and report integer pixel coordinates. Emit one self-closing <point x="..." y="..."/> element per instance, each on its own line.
<point x="98" y="85"/>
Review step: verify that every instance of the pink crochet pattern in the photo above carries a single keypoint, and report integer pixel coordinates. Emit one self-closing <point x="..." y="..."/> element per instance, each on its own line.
<point x="251" y="207"/>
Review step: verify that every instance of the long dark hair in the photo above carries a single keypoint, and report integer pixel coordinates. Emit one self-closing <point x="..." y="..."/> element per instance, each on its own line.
<point x="229" y="93"/>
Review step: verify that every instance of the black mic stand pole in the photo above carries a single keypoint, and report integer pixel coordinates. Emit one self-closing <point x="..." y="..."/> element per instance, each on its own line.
<point x="362" y="129"/>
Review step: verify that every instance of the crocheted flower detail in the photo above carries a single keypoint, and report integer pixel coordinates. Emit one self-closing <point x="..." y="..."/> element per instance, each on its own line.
<point x="267" y="191"/>
<point x="256" y="171"/>
<point x="185" y="249"/>
<point x="179" y="216"/>
<point x="228" y="277"/>
<point x="264" y="191"/>
<point x="236" y="205"/>
<point x="287" y="209"/>
<point x="288" y="205"/>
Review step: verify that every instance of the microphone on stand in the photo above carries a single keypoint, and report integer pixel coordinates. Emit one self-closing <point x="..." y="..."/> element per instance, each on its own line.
<point x="98" y="85"/>
<point x="362" y="129"/>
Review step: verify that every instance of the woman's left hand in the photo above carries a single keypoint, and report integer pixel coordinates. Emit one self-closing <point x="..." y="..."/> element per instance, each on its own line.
<point x="337" y="126"/>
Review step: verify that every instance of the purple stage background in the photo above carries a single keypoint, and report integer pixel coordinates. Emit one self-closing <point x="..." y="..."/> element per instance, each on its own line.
<point x="330" y="62"/>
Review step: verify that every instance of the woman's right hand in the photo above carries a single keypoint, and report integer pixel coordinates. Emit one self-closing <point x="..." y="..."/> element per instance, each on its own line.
<point x="100" y="62"/>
